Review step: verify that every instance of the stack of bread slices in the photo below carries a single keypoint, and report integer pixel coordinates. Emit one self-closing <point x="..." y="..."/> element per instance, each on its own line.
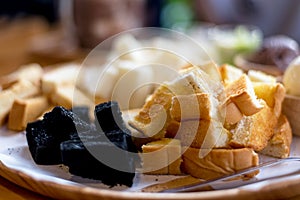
<point x="211" y="121"/>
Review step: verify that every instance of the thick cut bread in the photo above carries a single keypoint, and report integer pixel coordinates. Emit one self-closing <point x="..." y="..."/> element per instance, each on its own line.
<point x="162" y="157"/>
<point x="31" y="72"/>
<point x="218" y="162"/>
<point x="194" y="133"/>
<point x="254" y="131"/>
<point x="190" y="107"/>
<point x="233" y="113"/>
<point x="69" y="96"/>
<point x="209" y="68"/>
<point x="204" y="84"/>
<point x="65" y="75"/>
<point x="192" y="82"/>
<point x="230" y="73"/>
<point x="212" y="69"/>
<point x="153" y="118"/>
<point x="279" y="145"/>
<point x="272" y="93"/>
<point x="20" y="89"/>
<point x="241" y="93"/>
<point x="259" y="76"/>
<point x="26" y="110"/>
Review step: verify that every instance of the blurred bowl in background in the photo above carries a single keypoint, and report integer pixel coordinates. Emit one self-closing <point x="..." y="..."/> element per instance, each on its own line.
<point x="241" y="61"/>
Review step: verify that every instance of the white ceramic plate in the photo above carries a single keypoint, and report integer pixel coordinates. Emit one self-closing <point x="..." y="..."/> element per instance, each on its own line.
<point x="54" y="181"/>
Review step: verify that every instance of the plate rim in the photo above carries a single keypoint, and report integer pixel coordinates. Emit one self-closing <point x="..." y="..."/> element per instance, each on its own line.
<point x="61" y="191"/>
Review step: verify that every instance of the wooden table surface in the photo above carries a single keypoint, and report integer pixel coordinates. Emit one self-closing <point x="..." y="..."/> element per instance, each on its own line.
<point x="27" y="41"/>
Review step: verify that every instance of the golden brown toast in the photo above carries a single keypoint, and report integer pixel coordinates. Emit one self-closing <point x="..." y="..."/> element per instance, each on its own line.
<point x="272" y="93"/>
<point x="153" y="118"/>
<point x="20" y="89"/>
<point x="280" y="144"/>
<point x="230" y="73"/>
<point x="254" y="131"/>
<point x="241" y="92"/>
<point x="26" y="110"/>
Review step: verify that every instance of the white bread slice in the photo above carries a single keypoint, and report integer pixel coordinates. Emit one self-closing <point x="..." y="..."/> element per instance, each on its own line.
<point x="280" y="144"/>
<point x="162" y="157"/>
<point x="218" y="162"/>
<point x="254" y="131"/>
<point x="190" y="107"/>
<point x="69" y="96"/>
<point x="63" y="75"/>
<point x="21" y="89"/>
<point x="205" y="84"/>
<point x="210" y="68"/>
<point x="241" y="100"/>
<point x="138" y="137"/>
<point x="230" y="73"/>
<point x="233" y="113"/>
<point x="30" y="72"/>
<point x="241" y="92"/>
<point x="192" y="81"/>
<point x="194" y="133"/>
<point x="26" y="110"/>
<point x="153" y="118"/>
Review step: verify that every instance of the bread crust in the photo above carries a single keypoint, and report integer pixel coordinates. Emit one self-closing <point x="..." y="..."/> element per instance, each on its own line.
<point x="241" y="93"/>
<point x="154" y="117"/>
<point x="26" y="110"/>
<point x="21" y="89"/>
<point x="218" y="162"/>
<point x="165" y="157"/>
<point x="254" y="131"/>
<point x="230" y="73"/>
<point x="280" y="144"/>
<point x="272" y="93"/>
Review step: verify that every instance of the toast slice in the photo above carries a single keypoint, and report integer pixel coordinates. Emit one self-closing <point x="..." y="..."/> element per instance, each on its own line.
<point x="153" y="118"/>
<point x="21" y="89"/>
<point x="65" y="75"/>
<point x="26" y="110"/>
<point x="230" y="73"/>
<point x="241" y="92"/>
<point x="279" y="145"/>
<point x="194" y="82"/>
<point x="70" y="96"/>
<point x="254" y="131"/>
<point x="162" y="157"/>
<point x="194" y="133"/>
<point x="30" y="72"/>
<point x="272" y="93"/>
<point x="218" y="162"/>
<point x="190" y="107"/>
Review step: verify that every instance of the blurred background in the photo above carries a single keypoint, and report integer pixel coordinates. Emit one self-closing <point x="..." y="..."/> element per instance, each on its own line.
<point x="53" y="31"/>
